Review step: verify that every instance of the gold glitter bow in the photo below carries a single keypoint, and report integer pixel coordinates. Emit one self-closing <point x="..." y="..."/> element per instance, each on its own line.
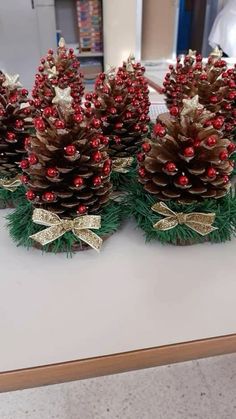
<point x="57" y="227"/>
<point x="197" y="221"/>
<point x="10" y="184"/>
<point x="122" y="164"/>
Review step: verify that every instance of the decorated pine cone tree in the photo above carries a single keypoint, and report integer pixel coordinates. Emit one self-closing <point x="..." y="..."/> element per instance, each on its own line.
<point x="184" y="194"/>
<point x="67" y="177"/>
<point x="212" y="82"/>
<point x="15" y="123"/>
<point x="61" y="69"/>
<point x="187" y="161"/>
<point x="122" y="104"/>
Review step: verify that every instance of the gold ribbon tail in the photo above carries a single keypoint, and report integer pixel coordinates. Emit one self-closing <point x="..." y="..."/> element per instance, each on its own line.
<point x="122" y="164"/>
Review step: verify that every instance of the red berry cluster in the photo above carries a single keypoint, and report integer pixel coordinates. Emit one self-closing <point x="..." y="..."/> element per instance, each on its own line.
<point x="212" y="82"/>
<point x="61" y="69"/>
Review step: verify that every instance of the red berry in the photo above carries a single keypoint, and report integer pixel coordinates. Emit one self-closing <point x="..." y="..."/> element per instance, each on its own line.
<point x="231" y="95"/>
<point x="24" y="92"/>
<point x="59" y="124"/>
<point x="158" y="129"/>
<point x="128" y="115"/>
<point x="11" y="136"/>
<point x="231" y="148"/>
<point x="48" y="111"/>
<point x="189" y="152"/>
<point x="213" y="99"/>
<point x="94" y="143"/>
<point x="225" y="179"/>
<point x="119" y="125"/>
<point x="70" y="150"/>
<point x="174" y="110"/>
<point x="104" y="140"/>
<point x="52" y="172"/>
<point x="30" y="195"/>
<point x="2" y="112"/>
<point x="32" y="159"/>
<point x="24" y="179"/>
<point x="146" y="147"/>
<point x="96" y="123"/>
<point x="170" y="166"/>
<point x="112" y="111"/>
<point x="218" y="123"/>
<point x="106" y="169"/>
<point x="81" y="209"/>
<point x="183" y="180"/>
<point x="88" y="96"/>
<point x="19" y="123"/>
<point x="119" y="99"/>
<point x="37" y="102"/>
<point x="39" y="124"/>
<point x="223" y="155"/>
<point x="211" y="141"/>
<point x="211" y="172"/>
<point x="140" y="157"/>
<point x="48" y="196"/>
<point x="24" y="164"/>
<point x="97" y="156"/>
<point x="78" y="181"/>
<point x="97" y="180"/>
<point x="142" y="172"/>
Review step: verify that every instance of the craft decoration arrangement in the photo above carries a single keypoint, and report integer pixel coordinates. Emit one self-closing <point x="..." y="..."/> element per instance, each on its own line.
<point x="70" y="154"/>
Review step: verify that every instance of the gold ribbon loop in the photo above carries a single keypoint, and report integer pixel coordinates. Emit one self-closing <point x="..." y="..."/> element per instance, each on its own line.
<point x="57" y="227"/>
<point x="122" y="164"/>
<point x="10" y="184"/>
<point x="197" y="221"/>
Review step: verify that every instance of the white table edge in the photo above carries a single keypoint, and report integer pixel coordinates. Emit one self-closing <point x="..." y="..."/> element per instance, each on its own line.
<point x="116" y="363"/>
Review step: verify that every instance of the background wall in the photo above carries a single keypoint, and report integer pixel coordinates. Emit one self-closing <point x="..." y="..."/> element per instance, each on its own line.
<point x="119" y="25"/>
<point x="158" y="33"/>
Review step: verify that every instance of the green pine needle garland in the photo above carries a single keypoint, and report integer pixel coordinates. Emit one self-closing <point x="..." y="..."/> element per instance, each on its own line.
<point x="21" y="227"/>
<point x="11" y="199"/>
<point x="139" y="205"/>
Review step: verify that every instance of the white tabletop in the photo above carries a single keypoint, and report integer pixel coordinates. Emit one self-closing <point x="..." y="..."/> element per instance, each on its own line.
<point x="131" y="296"/>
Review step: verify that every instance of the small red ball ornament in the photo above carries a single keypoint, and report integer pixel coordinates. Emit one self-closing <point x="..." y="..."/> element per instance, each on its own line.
<point x="231" y="148"/>
<point x="24" y="164"/>
<point x="24" y="179"/>
<point x="183" y="180"/>
<point x="140" y="157"/>
<point x="189" y="152"/>
<point x="52" y="172"/>
<point x="225" y="179"/>
<point x="94" y="143"/>
<point x="218" y="123"/>
<point x="223" y="155"/>
<point x="48" y="196"/>
<point x="48" y="111"/>
<point x="146" y="147"/>
<point x="32" y="159"/>
<point x="24" y="92"/>
<point x="78" y="181"/>
<point x="211" y="141"/>
<point x="97" y="181"/>
<point x="11" y="136"/>
<point x="59" y="124"/>
<point x="96" y="123"/>
<point x="142" y="172"/>
<point x="70" y="150"/>
<point x="81" y="209"/>
<point x="174" y="110"/>
<point x="97" y="156"/>
<point x="159" y="130"/>
<point x="213" y="99"/>
<point x="19" y="124"/>
<point x="39" y="124"/>
<point x="211" y="172"/>
<point x="170" y="166"/>
<point x="30" y="195"/>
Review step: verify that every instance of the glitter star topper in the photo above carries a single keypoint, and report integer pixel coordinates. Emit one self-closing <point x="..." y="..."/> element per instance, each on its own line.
<point x="190" y="105"/>
<point x="11" y="81"/>
<point x="62" y="97"/>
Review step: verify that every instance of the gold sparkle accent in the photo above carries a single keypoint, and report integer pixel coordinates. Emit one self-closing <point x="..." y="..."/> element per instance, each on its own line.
<point x="197" y="221"/>
<point x="190" y="105"/>
<point x="62" y="97"/>
<point x="62" y="43"/>
<point x="122" y="164"/>
<point x="216" y="53"/>
<point x="10" y="184"/>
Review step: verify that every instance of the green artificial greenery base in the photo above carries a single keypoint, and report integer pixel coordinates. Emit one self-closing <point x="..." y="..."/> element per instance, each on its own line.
<point x="10" y="199"/>
<point x="21" y="227"/>
<point x="140" y="203"/>
<point x="121" y="181"/>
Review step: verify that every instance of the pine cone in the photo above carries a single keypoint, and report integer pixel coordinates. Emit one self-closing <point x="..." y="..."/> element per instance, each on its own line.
<point x="60" y="69"/>
<point x="122" y="105"/>
<point x="15" y="123"/>
<point x="186" y="160"/>
<point x="211" y="82"/>
<point x="67" y="170"/>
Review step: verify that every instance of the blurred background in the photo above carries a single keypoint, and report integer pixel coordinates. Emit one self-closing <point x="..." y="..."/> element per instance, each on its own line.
<point x="104" y="32"/>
